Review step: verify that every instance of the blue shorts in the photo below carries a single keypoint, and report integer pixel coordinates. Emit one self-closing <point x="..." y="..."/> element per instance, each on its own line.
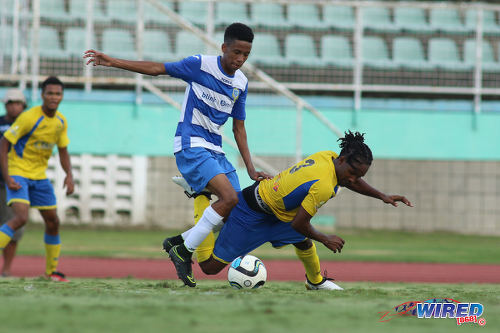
<point x="198" y="165"/>
<point x="246" y="229"/>
<point x="36" y="193"/>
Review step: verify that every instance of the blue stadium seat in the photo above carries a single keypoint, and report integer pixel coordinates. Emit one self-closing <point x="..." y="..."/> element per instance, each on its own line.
<point x="304" y="16"/>
<point x="338" y="17"/>
<point x="193" y="11"/>
<point x="266" y="50"/>
<point x="268" y="15"/>
<point x="336" y="51"/>
<point x="447" y="20"/>
<point x="156" y="46"/>
<point x="488" y="59"/>
<point x="49" y="44"/>
<point x="229" y="12"/>
<point x="443" y="53"/>
<point x="78" y="10"/>
<point x="118" y="43"/>
<point x="187" y="44"/>
<point x="411" y="19"/>
<point x="376" y="54"/>
<point x="54" y="10"/>
<point x="409" y="54"/>
<point x="300" y="50"/>
<point x="153" y="15"/>
<point x="378" y="18"/>
<point x="122" y="11"/>
<point x="75" y="42"/>
<point x="490" y="25"/>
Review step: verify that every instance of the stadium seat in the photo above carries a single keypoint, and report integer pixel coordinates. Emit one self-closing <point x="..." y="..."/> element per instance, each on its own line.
<point x="153" y="15"/>
<point x="443" y="53"/>
<point x="488" y="58"/>
<point x="156" y="46"/>
<point x="49" y="45"/>
<point x="187" y="44"/>
<point x="78" y="10"/>
<point x="6" y="40"/>
<point x="411" y="19"/>
<point x="194" y="11"/>
<point x="300" y="50"/>
<point x="75" y="42"/>
<point x="490" y="25"/>
<point x="409" y="54"/>
<point x="266" y="50"/>
<point x="378" y="18"/>
<point x="338" y="17"/>
<point x="122" y="11"/>
<point x="229" y="12"/>
<point x="54" y="10"/>
<point x="304" y="16"/>
<point x="375" y="53"/>
<point x="336" y="51"/>
<point x="448" y="20"/>
<point x="268" y="15"/>
<point x="118" y="43"/>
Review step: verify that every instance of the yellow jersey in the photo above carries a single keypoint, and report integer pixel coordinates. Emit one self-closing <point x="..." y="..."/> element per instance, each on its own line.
<point x="309" y="183"/>
<point x="33" y="136"/>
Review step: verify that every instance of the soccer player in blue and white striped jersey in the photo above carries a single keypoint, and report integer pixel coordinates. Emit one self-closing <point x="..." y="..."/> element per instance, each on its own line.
<point x="216" y="90"/>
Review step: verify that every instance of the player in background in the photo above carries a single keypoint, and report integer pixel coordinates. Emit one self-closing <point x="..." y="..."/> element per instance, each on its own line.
<point x="279" y="210"/>
<point x="216" y="90"/>
<point x="32" y="138"/>
<point x="15" y="103"/>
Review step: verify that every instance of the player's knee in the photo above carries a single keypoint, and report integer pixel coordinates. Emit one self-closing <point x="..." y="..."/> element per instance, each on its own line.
<point x="232" y="200"/>
<point x="20" y="219"/>
<point x="304" y="245"/>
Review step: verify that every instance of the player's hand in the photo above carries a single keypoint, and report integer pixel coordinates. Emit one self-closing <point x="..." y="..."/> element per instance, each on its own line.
<point x="12" y="184"/>
<point x="97" y="58"/>
<point x="259" y="175"/>
<point x="393" y="200"/>
<point x="69" y="185"/>
<point x="334" y="243"/>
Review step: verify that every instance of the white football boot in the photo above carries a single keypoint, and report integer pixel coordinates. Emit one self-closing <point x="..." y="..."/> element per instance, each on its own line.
<point x="326" y="284"/>
<point x="188" y="190"/>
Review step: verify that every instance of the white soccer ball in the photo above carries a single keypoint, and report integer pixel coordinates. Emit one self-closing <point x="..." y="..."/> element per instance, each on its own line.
<point x="247" y="272"/>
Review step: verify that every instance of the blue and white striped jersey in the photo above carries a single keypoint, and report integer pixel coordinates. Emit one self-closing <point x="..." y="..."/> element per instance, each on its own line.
<point x="211" y="98"/>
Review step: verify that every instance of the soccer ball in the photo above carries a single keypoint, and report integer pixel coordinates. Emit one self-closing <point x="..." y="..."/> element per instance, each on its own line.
<point x="247" y="272"/>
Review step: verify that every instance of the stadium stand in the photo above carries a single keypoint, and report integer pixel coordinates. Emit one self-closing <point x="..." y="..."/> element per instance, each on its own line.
<point x="443" y="53"/>
<point x="378" y="18"/>
<point x="78" y="11"/>
<point x="376" y="54"/>
<point x="300" y="50"/>
<point x="195" y="12"/>
<point x="75" y="41"/>
<point x="157" y="46"/>
<point x="304" y="16"/>
<point x="411" y="19"/>
<point x="336" y="51"/>
<point x="118" y="43"/>
<point x="409" y="53"/>
<point x="488" y="60"/>
<point x="338" y="17"/>
<point x="446" y="20"/>
<point x="269" y="15"/>
<point x="54" y="11"/>
<point x="490" y="25"/>
<point x="186" y="45"/>
<point x="229" y="12"/>
<point x="122" y="11"/>
<point x="266" y="50"/>
<point x="153" y="16"/>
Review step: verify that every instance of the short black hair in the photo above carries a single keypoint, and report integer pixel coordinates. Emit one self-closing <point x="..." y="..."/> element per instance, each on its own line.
<point x="51" y="80"/>
<point x="238" y="31"/>
<point x="355" y="149"/>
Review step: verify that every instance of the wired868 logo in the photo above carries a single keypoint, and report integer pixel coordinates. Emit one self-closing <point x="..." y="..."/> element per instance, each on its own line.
<point x="438" y="308"/>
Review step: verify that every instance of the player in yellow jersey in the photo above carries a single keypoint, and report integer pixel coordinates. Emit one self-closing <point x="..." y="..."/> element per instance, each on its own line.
<point x="24" y="153"/>
<point x="279" y="210"/>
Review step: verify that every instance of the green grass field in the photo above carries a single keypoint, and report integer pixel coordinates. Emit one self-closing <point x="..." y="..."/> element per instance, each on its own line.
<point x="128" y="305"/>
<point x="361" y="245"/>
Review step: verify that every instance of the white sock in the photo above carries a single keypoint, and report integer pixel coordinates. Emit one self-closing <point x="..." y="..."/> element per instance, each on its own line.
<point x="208" y="221"/>
<point x="186" y="233"/>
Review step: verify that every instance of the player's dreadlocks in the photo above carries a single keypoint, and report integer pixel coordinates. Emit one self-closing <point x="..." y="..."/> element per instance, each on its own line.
<point x="238" y="31"/>
<point x="354" y="148"/>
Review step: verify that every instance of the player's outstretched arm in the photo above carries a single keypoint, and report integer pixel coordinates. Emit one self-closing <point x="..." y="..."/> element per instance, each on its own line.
<point x="362" y="187"/>
<point x="240" y="136"/>
<point x="302" y="223"/>
<point x="97" y="58"/>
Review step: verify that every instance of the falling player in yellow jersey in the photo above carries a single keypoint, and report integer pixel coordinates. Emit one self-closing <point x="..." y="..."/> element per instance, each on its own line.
<point x="279" y="210"/>
<point x="24" y="153"/>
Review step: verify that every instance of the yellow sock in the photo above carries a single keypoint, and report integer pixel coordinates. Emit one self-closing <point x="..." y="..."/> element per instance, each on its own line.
<point x="6" y="234"/>
<point x="310" y="260"/>
<point x="52" y="251"/>
<point x="204" y="251"/>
